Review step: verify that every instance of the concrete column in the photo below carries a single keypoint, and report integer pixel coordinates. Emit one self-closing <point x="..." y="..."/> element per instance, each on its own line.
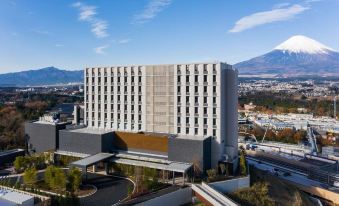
<point x="106" y="167"/>
<point x="183" y="177"/>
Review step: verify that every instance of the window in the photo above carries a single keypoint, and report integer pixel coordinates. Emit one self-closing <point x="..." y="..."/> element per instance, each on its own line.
<point x="139" y="117"/>
<point x="187" y="130"/>
<point x="179" y="89"/>
<point x="139" y="89"/>
<point x="214" y="78"/>
<point x="179" y="108"/>
<point x="187" y="110"/>
<point x="205" y="110"/>
<point x="214" y="100"/>
<point x="187" y="78"/>
<point x="179" y="130"/>
<point x="196" y="100"/>
<point x="196" y="110"/>
<point x="195" y="131"/>
<point x="214" y="122"/>
<point x="196" y="89"/>
<point x="205" y="78"/>
<point x="187" y="89"/>
<point x="214" y="133"/>
<point x="205" y="131"/>
<point x="187" y="120"/>
<point x="205" y="100"/>
<point x="139" y="79"/>
<point x="179" y="99"/>
<point x="214" y="89"/>
<point x="187" y="99"/>
<point x="195" y="120"/>
<point x="214" y="110"/>
<point x="205" y="89"/>
<point x="205" y="121"/>
<point x="179" y="120"/>
<point x="179" y="79"/>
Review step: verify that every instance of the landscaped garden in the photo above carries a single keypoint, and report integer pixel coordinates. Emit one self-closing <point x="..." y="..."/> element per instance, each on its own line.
<point x="36" y="174"/>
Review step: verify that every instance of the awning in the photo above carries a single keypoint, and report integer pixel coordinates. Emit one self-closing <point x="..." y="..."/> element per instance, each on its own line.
<point x="91" y="160"/>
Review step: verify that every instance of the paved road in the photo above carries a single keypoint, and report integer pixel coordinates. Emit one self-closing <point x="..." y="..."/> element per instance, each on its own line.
<point x="110" y="190"/>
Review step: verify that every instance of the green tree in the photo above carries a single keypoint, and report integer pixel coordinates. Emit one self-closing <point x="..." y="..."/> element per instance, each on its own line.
<point x="242" y="163"/>
<point x="74" y="179"/>
<point x="30" y="177"/>
<point x="20" y="163"/>
<point x="55" y="178"/>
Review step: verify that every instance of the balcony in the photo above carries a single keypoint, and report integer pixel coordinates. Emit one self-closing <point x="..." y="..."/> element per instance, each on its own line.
<point x="178" y="72"/>
<point x="205" y="126"/>
<point x="187" y="94"/>
<point x="214" y="94"/>
<point x="196" y="125"/>
<point x="187" y="104"/>
<point x="206" y="115"/>
<point x="187" y="114"/>
<point x="196" y="93"/>
<point x="196" y="104"/>
<point x="196" y="72"/>
<point x="205" y="83"/>
<point x="205" y="104"/>
<point x="187" y="125"/>
<point x="196" y="115"/>
<point x="205" y="72"/>
<point x="205" y="94"/>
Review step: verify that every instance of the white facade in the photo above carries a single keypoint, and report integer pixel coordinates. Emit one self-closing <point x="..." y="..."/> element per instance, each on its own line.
<point x="181" y="99"/>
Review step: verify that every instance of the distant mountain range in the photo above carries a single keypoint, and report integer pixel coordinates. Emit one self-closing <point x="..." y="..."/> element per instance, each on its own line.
<point x="299" y="56"/>
<point x="296" y="57"/>
<point x="44" y="76"/>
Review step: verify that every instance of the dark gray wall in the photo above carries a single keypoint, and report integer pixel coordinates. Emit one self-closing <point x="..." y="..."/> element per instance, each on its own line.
<point x="8" y="158"/>
<point x="85" y="142"/>
<point x="43" y="137"/>
<point x="188" y="150"/>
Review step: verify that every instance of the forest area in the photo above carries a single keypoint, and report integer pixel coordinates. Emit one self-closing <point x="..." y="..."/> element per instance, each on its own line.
<point x="13" y="117"/>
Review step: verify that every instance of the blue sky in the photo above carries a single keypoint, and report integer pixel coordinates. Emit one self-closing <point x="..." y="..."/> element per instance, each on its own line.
<point x="75" y="34"/>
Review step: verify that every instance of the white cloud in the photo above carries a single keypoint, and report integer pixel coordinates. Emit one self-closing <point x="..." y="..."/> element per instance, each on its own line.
<point x="266" y="17"/>
<point x="101" y="49"/>
<point x="88" y="14"/>
<point x="59" y="45"/>
<point x="152" y="9"/>
<point x="99" y="28"/>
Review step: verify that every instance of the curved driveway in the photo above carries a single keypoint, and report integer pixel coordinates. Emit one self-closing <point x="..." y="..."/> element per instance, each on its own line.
<point x="110" y="190"/>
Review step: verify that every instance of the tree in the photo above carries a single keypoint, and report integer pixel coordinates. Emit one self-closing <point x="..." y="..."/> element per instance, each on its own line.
<point x="30" y="177"/>
<point x="211" y="173"/>
<point x="74" y="179"/>
<point x="242" y="163"/>
<point x="20" y="163"/>
<point x="55" y="178"/>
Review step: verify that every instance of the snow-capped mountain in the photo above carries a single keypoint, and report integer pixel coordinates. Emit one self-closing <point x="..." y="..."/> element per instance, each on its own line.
<point x="298" y="56"/>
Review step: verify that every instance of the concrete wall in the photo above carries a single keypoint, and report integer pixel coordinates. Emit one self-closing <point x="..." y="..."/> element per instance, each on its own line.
<point x="87" y="143"/>
<point x="43" y="137"/>
<point x="229" y="107"/>
<point x="176" y="198"/>
<point x="229" y="186"/>
<point x="190" y="150"/>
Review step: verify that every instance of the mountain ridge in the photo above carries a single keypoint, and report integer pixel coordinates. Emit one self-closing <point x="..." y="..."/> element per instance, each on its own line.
<point x="298" y="56"/>
<point x="44" y="76"/>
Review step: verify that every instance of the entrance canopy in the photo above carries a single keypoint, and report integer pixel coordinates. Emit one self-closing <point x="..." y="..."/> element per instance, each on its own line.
<point x="91" y="160"/>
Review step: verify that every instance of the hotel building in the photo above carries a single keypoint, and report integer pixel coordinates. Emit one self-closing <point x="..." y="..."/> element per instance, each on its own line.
<point x="190" y="101"/>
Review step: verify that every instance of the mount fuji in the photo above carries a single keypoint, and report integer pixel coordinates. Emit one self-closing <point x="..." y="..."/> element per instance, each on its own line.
<point x="298" y="56"/>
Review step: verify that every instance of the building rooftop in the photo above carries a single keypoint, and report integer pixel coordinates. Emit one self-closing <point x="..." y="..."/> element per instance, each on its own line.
<point x="14" y="197"/>
<point x="90" y="130"/>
